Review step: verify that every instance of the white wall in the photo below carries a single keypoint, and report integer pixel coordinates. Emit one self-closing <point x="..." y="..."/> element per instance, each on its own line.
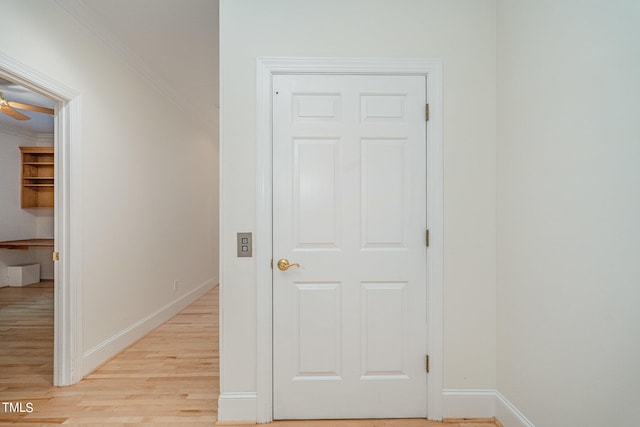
<point x="149" y="181"/>
<point x="462" y="33"/>
<point x="568" y="209"/>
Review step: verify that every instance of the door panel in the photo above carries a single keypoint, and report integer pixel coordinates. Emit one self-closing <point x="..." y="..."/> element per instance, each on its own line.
<point x="315" y="193"/>
<point x="384" y="331"/>
<point x="318" y="344"/>
<point x="384" y="196"/>
<point x="349" y="206"/>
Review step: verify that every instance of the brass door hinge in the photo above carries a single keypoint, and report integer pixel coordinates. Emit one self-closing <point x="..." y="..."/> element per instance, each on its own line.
<point x="272" y="263"/>
<point x="426" y="237"/>
<point x="56" y="256"/>
<point x="426" y="112"/>
<point x="426" y="363"/>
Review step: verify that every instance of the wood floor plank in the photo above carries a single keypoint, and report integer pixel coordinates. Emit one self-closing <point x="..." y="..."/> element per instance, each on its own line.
<point x="169" y="377"/>
<point x="371" y="423"/>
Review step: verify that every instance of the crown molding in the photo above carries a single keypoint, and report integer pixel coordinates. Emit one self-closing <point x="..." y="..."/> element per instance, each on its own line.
<point x="94" y="24"/>
<point x="8" y="129"/>
<point x="45" y="138"/>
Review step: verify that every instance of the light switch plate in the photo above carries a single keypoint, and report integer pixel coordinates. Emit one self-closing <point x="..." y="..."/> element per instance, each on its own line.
<point x="245" y="245"/>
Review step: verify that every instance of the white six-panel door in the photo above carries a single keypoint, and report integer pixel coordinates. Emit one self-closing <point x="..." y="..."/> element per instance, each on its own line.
<point x="349" y="206"/>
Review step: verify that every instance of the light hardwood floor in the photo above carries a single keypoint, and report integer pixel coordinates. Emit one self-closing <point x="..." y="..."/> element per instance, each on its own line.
<point x="486" y="422"/>
<point x="169" y="377"/>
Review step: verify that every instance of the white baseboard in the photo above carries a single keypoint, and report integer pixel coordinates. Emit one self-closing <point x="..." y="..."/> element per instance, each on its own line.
<point x="508" y="414"/>
<point x="237" y="407"/>
<point x="471" y="403"/>
<point x="468" y="403"/>
<point x="113" y="345"/>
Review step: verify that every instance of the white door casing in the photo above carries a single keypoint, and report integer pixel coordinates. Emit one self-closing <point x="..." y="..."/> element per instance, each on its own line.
<point x="349" y="200"/>
<point x="239" y="404"/>
<point x="67" y="352"/>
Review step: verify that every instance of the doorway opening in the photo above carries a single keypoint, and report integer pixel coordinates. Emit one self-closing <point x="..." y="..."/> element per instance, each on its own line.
<point x="67" y="325"/>
<point x="26" y="233"/>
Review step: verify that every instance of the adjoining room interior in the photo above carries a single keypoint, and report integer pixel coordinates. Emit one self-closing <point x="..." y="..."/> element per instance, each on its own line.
<point x="26" y="230"/>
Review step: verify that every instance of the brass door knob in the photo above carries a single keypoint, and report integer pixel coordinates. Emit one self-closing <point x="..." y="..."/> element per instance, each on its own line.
<point x="284" y="264"/>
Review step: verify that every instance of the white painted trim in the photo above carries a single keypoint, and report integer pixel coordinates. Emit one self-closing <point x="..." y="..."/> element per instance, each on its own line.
<point x="508" y="414"/>
<point x="44" y="139"/>
<point x="435" y="253"/>
<point x="469" y="403"/>
<point x="67" y="352"/>
<point x="237" y="407"/>
<point x="9" y="129"/>
<point x="266" y="68"/>
<point x="264" y="240"/>
<point x="353" y="66"/>
<point x="113" y="345"/>
<point x="68" y="242"/>
<point x="482" y="403"/>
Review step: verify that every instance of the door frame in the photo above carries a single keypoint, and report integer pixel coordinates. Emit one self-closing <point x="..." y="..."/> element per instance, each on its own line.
<point x="266" y="68"/>
<point x="67" y="345"/>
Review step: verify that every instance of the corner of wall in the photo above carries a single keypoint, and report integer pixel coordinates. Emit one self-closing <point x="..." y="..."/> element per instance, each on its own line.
<point x="508" y="414"/>
<point x="113" y="345"/>
<point x="482" y="403"/>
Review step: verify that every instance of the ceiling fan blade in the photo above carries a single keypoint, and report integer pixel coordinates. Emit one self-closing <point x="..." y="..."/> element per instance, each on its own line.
<point x="35" y="108"/>
<point x="13" y="113"/>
